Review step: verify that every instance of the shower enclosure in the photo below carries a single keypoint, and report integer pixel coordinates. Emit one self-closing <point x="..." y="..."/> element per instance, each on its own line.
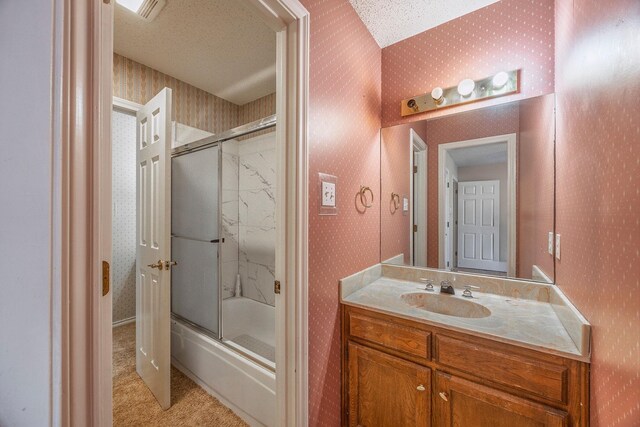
<point x="223" y="239"/>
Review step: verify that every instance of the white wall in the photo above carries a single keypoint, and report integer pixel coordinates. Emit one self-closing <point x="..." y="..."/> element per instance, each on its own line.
<point x="492" y="172"/>
<point x="25" y="224"/>
<point x="123" y="261"/>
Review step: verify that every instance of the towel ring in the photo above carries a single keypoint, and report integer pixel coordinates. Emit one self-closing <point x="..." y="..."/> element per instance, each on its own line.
<point x="395" y="199"/>
<point x="363" y="196"/>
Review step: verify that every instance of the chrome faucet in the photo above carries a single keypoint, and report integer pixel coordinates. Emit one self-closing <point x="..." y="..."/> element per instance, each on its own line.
<point x="446" y="287"/>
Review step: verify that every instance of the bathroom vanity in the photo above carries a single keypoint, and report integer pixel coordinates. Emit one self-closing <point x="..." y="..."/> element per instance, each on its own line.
<point x="514" y="354"/>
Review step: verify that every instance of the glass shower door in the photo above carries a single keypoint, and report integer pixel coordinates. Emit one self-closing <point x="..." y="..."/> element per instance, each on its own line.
<point x="195" y="287"/>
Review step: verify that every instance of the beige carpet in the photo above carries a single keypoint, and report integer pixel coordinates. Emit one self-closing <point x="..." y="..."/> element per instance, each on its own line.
<point x="134" y="405"/>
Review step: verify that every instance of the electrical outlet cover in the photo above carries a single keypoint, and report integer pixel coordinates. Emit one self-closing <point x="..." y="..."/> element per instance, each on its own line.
<point x="557" y="246"/>
<point x="550" y="243"/>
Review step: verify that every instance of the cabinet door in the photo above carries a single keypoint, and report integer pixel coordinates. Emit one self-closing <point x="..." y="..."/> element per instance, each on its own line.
<point x="386" y="391"/>
<point x="463" y="403"/>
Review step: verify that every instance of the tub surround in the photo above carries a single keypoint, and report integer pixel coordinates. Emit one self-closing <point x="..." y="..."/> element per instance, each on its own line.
<point x="248" y="217"/>
<point x="531" y="315"/>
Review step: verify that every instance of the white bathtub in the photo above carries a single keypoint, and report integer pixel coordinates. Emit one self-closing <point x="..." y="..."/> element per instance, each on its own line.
<point x="240" y="383"/>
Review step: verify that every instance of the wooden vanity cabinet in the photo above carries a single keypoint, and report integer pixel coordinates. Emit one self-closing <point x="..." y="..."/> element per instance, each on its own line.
<point x="390" y="391"/>
<point x="398" y="372"/>
<point x="460" y="402"/>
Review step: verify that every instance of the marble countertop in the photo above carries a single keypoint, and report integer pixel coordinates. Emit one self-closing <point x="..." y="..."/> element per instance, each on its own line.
<point x="526" y="322"/>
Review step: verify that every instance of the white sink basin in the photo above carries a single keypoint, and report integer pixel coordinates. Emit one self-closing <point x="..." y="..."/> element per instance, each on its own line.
<point x="445" y="304"/>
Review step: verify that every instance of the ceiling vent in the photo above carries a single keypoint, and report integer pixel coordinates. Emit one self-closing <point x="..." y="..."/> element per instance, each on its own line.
<point x="151" y="8"/>
<point x="146" y="9"/>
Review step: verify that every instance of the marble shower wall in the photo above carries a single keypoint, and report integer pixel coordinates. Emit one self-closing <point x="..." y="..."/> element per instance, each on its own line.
<point x="248" y="217"/>
<point x="229" y="249"/>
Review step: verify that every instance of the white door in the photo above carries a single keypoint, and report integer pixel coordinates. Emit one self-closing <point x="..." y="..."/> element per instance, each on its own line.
<point x="153" y="230"/>
<point x="479" y="225"/>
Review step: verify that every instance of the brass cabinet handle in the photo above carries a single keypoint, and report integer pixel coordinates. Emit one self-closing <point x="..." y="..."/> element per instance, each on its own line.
<point x="444" y="396"/>
<point x="420" y="388"/>
<point x="157" y="265"/>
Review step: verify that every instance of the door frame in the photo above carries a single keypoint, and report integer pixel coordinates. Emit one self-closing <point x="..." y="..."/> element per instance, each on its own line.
<point x="82" y="103"/>
<point x="419" y="155"/>
<point x="510" y="139"/>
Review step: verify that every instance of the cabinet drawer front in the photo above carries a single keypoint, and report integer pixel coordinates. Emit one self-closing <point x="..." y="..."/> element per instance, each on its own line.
<point x="530" y="375"/>
<point x="407" y="340"/>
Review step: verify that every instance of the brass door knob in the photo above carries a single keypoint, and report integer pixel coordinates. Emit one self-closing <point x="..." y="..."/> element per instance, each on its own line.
<point x="420" y="388"/>
<point x="157" y="265"/>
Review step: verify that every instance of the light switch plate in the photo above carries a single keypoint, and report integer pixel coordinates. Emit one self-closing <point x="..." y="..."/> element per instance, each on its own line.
<point x="557" y="246"/>
<point x="405" y="204"/>
<point x="328" y="187"/>
<point x="328" y="194"/>
<point x="550" y="243"/>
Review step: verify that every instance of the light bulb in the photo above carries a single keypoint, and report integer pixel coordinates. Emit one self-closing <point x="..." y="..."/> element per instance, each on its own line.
<point x="436" y="94"/>
<point x="500" y="79"/>
<point x="466" y="86"/>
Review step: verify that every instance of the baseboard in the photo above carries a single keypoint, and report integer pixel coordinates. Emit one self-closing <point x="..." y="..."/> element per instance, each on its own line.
<point x="193" y="377"/>
<point x="538" y="274"/>
<point x="124" y="321"/>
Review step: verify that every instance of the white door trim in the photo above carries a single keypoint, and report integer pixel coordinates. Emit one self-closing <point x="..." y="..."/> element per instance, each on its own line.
<point x="82" y="105"/>
<point x="510" y="139"/>
<point x="419" y="154"/>
<point x="126" y="105"/>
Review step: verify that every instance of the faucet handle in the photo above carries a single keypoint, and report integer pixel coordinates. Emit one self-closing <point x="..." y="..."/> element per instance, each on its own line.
<point x="467" y="291"/>
<point x="428" y="284"/>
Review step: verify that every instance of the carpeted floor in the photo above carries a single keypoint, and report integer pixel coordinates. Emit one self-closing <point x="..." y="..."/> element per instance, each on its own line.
<point x="134" y="405"/>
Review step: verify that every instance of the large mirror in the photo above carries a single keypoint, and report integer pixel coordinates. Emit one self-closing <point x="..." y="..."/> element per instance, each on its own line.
<point x="472" y="191"/>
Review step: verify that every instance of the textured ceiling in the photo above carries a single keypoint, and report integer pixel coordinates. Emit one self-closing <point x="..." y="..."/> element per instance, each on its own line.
<point x="219" y="46"/>
<point x="390" y="21"/>
<point x="480" y="155"/>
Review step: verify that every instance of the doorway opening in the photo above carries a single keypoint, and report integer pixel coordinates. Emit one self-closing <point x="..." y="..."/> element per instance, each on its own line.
<point x="86" y="113"/>
<point x="194" y="193"/>
<point x="477" y="182"/>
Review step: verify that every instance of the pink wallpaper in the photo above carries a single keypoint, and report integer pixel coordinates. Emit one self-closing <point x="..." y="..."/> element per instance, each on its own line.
<point x="500" y="120"/>
<point x="395" y="159"/>
<point x="507" y="35"/>
<point x="344" y="140"/>
<point x="535" y="185"/>
<point x="598" y="197"/>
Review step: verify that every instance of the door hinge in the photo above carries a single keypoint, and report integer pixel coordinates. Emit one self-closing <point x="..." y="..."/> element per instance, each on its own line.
<point x="447" y="185"/>
<point x="447" y="263"/>
<point x="415" y="228"/>
<point x="447" y="224"/>
<point x="105" y="278"/>
<point x="276" y="286"/>
<point x="415" y="169"/>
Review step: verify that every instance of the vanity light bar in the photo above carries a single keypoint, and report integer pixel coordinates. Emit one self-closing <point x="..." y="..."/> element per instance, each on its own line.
<point x="500" y="84"/>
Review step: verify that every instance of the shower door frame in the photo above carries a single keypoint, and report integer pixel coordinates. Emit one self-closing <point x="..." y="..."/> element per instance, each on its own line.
<point x="81" y="383"/>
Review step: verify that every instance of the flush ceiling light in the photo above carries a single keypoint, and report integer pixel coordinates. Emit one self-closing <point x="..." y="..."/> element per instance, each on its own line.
<point x="437" y="95"/>
<point x="500" y="79"/>
<point x="465" y="87"/>
<point x="132" y="5"/>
